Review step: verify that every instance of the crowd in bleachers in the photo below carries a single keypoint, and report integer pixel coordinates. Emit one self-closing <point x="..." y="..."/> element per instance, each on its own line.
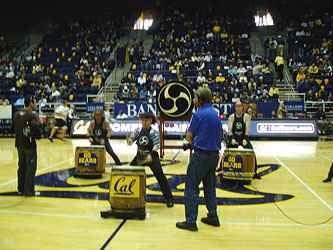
<point x="72" y="61"/>
<point x="310" y="43"/>
<point x="199" y="49"/>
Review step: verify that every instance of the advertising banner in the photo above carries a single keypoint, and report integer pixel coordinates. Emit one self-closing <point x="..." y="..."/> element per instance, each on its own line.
<point x="259" y="128"/>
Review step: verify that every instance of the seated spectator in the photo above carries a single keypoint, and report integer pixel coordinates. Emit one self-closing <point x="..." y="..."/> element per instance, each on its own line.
<point x="220" y="78"/>
<point x="242" y="78"/>
<point x="217" y="98"/>
<point x="300" y="76"/>
<point x="313" y="69"/>
<point x="158" y="79"/>
<point x="266" y="69"/>
<point x="134" y="94"/>
<point x="142" y="79"/>
<point x="257" y="69"/>
<point x="201" y="79"/>
<point x="97" y="80"/>
<point x="125" y="91"/>
<point x="4" y="101"/>
<point x="273" y="92"/>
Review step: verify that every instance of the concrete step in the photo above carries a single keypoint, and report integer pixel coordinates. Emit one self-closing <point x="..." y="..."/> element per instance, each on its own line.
<point x="256" y="44"/>
<point x="288" y="90"/>
<point x="111" y="90"/>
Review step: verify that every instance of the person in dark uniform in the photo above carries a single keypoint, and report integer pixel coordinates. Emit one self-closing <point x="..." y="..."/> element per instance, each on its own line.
<point x="148" y="141"/>
<point x="239" y="127"/>
<point x="99" y="132"/>
<point x="205" y="136"/>
<point x="330" y="174"/>
<point x="27" y="130"/>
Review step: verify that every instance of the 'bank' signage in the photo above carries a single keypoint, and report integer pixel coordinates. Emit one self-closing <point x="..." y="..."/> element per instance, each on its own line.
<point x="128" y="111"/>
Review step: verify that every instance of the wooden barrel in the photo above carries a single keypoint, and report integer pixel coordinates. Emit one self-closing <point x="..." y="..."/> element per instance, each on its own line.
<point x="90" y="161"/>
<point x="238" y="164"/>
<point x="127" y="188"/>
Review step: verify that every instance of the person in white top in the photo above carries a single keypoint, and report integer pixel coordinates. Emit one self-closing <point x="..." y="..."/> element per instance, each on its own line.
<point x="60" y="126"/>
<point x="142" y="79"/>
<point x="201" y="78"/>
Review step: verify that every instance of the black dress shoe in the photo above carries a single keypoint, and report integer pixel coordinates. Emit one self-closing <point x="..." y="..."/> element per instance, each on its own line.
<point x="169" y="203"/>
<point x="327" y="180"/>
<point x="256" y="176"/>
<point x="212" y="221"/>
<point x="30" y="194"/>
<point x="187" y="226"/>
<point x="50" y="139"/>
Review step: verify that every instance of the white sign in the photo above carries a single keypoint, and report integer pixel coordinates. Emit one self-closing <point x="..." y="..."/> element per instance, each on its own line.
<point x="5" y="112"/>
<point x="284" y="128"/>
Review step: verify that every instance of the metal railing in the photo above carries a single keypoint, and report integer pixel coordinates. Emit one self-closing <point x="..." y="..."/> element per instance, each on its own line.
<point x="325" y="106"/>
<point x="292" y="96"/>
<point x="310" y="110"/>
<point x="48" y="108"/>
<point x="79" y="107"/>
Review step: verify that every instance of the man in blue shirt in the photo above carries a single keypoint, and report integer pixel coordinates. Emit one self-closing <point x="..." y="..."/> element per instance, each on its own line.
<point x="205" y="136"/>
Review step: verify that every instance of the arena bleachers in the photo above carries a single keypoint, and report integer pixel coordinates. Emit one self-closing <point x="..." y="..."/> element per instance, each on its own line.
<point x="310" y="49"/>
<point x="72" y="61"/>
<point x="202" y="50"/>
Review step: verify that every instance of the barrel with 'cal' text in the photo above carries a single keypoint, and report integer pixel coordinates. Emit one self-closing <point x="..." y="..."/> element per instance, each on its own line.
<point x="127" y="187"/>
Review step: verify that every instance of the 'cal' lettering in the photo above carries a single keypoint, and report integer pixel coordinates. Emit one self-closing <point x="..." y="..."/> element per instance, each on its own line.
<point x="121" y="186"/>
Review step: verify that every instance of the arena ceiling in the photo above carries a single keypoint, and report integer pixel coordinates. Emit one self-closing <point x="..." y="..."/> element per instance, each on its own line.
<point x="15" y="13"/>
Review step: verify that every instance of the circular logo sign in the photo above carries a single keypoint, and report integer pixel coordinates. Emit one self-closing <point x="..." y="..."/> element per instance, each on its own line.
<point x="174" y="100"/>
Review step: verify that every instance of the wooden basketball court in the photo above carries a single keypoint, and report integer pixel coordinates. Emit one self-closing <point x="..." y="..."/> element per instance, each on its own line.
<point x="261" y="215"/>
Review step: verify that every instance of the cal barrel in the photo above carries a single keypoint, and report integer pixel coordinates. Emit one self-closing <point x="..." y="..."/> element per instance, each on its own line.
<point x="127" y="191"/>
<point x="90" y="161"/>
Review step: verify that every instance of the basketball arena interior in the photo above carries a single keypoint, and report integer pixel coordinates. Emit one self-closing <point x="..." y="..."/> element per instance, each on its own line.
<point x="166" y="125"/>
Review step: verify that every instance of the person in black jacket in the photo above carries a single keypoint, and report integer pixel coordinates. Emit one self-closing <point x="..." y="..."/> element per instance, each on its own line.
<point x="148" y="141"/>
<point x="27" y="130"/>
<point x="99" y="133"/>
<point x="239" y="129"/>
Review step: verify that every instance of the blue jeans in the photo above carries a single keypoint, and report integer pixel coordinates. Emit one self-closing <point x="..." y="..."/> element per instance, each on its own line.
<point x="201" y="168"/>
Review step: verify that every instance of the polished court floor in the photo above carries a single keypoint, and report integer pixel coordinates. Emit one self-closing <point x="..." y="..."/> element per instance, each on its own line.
<point x="286" y="209"/>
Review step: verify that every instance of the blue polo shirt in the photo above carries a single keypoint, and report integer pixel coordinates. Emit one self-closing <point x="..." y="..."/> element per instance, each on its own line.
<point x="206" y="128"/>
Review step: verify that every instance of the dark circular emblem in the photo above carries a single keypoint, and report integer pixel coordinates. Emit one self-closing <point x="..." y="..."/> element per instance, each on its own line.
<point x="174" y="100"/>
<point x="143" y="141"/>
<point x="98" y="132"/>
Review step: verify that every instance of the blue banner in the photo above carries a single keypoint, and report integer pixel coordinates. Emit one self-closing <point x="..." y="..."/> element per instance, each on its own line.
<point x="125" y="111"/>
<point x="267" y="108"/>
<point x="93" y="106"/>
<point x="294" y="106"/>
